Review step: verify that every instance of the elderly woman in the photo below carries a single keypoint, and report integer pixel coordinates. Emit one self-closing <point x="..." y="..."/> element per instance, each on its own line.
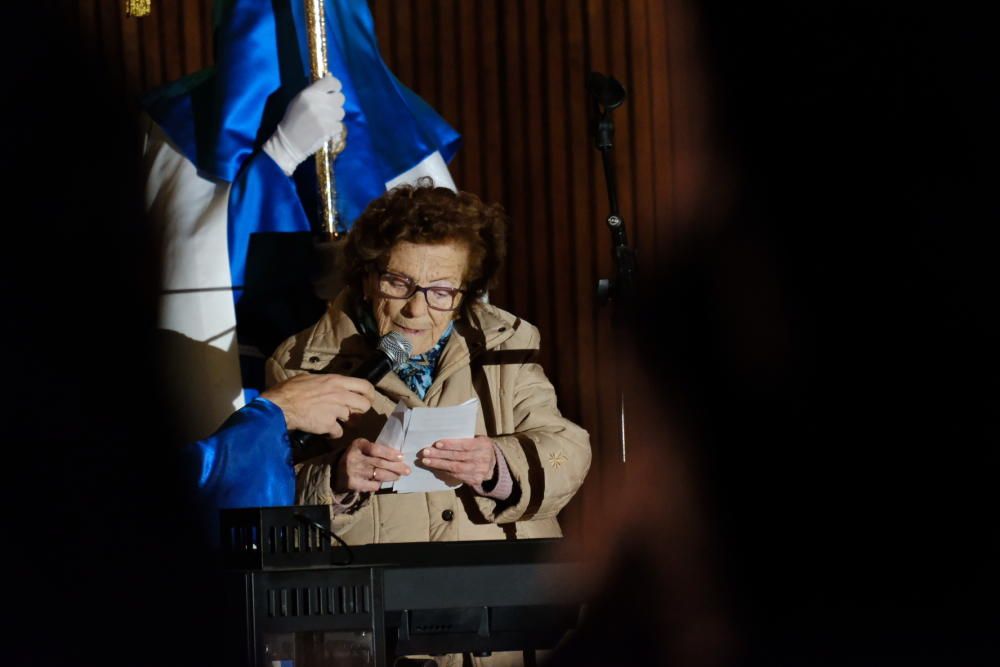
<point x="418" y="262"/>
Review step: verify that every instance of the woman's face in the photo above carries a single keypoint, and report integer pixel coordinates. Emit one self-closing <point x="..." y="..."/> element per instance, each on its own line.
<point x="427" y="265"/>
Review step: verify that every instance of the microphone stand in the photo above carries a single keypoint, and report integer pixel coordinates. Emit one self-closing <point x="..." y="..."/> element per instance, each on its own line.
<point x="607" y="95"/>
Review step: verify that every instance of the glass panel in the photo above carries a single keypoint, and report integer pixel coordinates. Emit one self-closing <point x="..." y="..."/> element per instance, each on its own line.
<point x="319" y="649"/>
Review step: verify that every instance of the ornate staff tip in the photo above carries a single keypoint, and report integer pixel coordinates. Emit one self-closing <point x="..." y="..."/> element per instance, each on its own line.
<point x="137" y="8"/>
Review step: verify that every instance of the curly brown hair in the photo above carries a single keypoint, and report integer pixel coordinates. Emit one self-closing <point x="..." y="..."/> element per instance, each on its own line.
<point x="428" y="214"/>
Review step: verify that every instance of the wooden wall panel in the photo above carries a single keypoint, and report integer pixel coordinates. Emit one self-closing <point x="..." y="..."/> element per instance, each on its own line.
<point x="176" y="39"/>
<point x="509" y="75"/>
<point x="519" y="83"/>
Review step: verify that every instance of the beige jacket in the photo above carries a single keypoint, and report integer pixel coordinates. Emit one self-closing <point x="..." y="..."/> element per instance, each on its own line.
<point x="491" y="357"/>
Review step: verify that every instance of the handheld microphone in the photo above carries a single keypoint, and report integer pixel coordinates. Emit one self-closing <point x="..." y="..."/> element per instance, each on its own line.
<point x="392" y="352"/>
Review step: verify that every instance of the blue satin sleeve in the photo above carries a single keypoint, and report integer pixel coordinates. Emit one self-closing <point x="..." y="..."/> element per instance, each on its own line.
<point x="262" y="200"/>
<point x="246" y="463"/>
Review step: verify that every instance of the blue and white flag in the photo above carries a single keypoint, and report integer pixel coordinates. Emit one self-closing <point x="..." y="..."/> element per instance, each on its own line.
<point x="215" y="122"/>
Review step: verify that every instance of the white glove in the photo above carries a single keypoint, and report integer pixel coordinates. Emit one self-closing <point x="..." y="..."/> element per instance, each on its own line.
<point x="312" y="118"/>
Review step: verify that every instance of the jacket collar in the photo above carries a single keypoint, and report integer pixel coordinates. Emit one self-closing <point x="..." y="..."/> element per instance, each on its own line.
<point x="335" y="345"/>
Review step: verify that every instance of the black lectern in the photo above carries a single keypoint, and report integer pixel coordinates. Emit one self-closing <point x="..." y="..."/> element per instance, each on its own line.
<point x="295" y="600"/>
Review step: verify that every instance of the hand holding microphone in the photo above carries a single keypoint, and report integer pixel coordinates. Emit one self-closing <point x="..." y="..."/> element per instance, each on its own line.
<point x="313" y="117"/>
<point x="392" y="352"/>
<point x="318" y="403"/>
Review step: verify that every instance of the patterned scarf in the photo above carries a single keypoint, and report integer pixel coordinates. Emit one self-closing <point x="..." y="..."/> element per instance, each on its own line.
<point x="418" y="373"/>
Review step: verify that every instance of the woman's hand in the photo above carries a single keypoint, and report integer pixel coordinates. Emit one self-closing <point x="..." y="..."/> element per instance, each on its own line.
<point x="317" y="403"/>
<point x="470" y="460"/>
<point x="365" y="465"/>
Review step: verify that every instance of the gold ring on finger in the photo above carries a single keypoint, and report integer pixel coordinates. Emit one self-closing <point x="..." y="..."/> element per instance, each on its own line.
<point x="374" y="472"/>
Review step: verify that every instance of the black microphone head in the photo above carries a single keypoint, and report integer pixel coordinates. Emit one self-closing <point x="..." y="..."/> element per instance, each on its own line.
<point x="608" y="92"/>
<point x="397" y="347"/>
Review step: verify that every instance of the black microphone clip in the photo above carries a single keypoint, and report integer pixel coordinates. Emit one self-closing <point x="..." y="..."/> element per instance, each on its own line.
<point x="608" y="94"/>
<point x="606" y="91"/>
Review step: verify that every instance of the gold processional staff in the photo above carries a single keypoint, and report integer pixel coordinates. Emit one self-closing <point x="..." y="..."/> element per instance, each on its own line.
<point x="316" y="26"/>
<point x="325" y="157"/>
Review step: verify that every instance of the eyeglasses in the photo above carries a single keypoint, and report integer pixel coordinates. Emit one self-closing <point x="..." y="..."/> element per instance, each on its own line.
<point x="395" y="286"/>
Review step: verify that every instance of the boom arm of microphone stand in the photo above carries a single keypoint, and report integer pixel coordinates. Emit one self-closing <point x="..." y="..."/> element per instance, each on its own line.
<point x="620" y="290"/>
<point x="608" y="94"/>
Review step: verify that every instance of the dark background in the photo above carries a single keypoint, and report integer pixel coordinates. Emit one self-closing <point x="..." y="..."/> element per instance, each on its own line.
<point x="833" y="340"/>
<point x="103" y="562"/>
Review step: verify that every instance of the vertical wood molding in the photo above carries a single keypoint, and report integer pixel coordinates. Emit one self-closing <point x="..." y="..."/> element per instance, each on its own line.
<point x="143" y="53"/>
<point x="511" y="80"/>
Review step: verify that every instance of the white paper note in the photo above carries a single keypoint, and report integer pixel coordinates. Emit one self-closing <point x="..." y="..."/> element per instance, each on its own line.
<point x="411" y="429"/>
